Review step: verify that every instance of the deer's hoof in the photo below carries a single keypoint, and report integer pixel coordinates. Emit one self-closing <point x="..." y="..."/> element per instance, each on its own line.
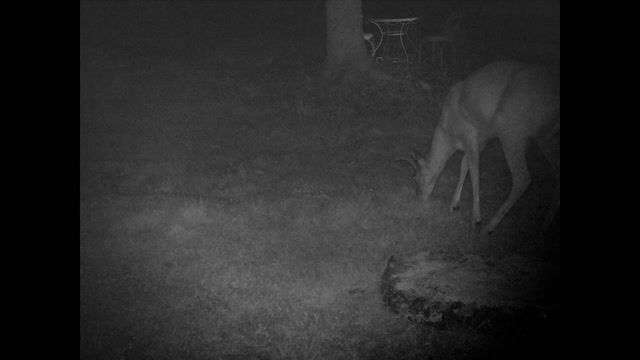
<point x="477" y="225"/>
<point x="486" y="232"/>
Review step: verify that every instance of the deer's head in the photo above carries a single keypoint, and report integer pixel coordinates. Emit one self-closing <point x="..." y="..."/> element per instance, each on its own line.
<point x="424" y="177"/>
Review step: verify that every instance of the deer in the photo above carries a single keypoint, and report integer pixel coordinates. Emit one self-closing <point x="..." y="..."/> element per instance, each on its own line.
<point x="515" y="102"/>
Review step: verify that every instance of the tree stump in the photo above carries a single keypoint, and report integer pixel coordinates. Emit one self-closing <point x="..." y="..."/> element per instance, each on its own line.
<point x="439" y="289"/>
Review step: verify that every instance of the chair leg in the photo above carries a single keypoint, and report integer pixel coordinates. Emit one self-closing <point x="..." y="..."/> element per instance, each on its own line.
<point x="453" y="54"/>
<point x="434" y="48"/>
<point x="437" y="53"/>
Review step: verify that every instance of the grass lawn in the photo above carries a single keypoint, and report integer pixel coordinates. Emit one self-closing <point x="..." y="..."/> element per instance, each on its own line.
<point x="234" y="205"/>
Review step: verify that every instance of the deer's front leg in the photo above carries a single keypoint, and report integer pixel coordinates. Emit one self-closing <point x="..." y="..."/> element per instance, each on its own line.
<point x="473" y="157"/>
<point x="464" y="169"/>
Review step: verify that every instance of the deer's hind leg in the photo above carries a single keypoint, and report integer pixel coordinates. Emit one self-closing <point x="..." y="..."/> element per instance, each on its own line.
<point x="550" y="147"/>
<point x="514" y="152"/>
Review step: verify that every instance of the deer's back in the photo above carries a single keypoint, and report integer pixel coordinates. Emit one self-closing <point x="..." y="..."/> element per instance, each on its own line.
<point x="510" y="99"/>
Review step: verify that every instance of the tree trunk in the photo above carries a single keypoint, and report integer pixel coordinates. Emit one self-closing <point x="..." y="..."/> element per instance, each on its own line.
<point x="345" y="44"/>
